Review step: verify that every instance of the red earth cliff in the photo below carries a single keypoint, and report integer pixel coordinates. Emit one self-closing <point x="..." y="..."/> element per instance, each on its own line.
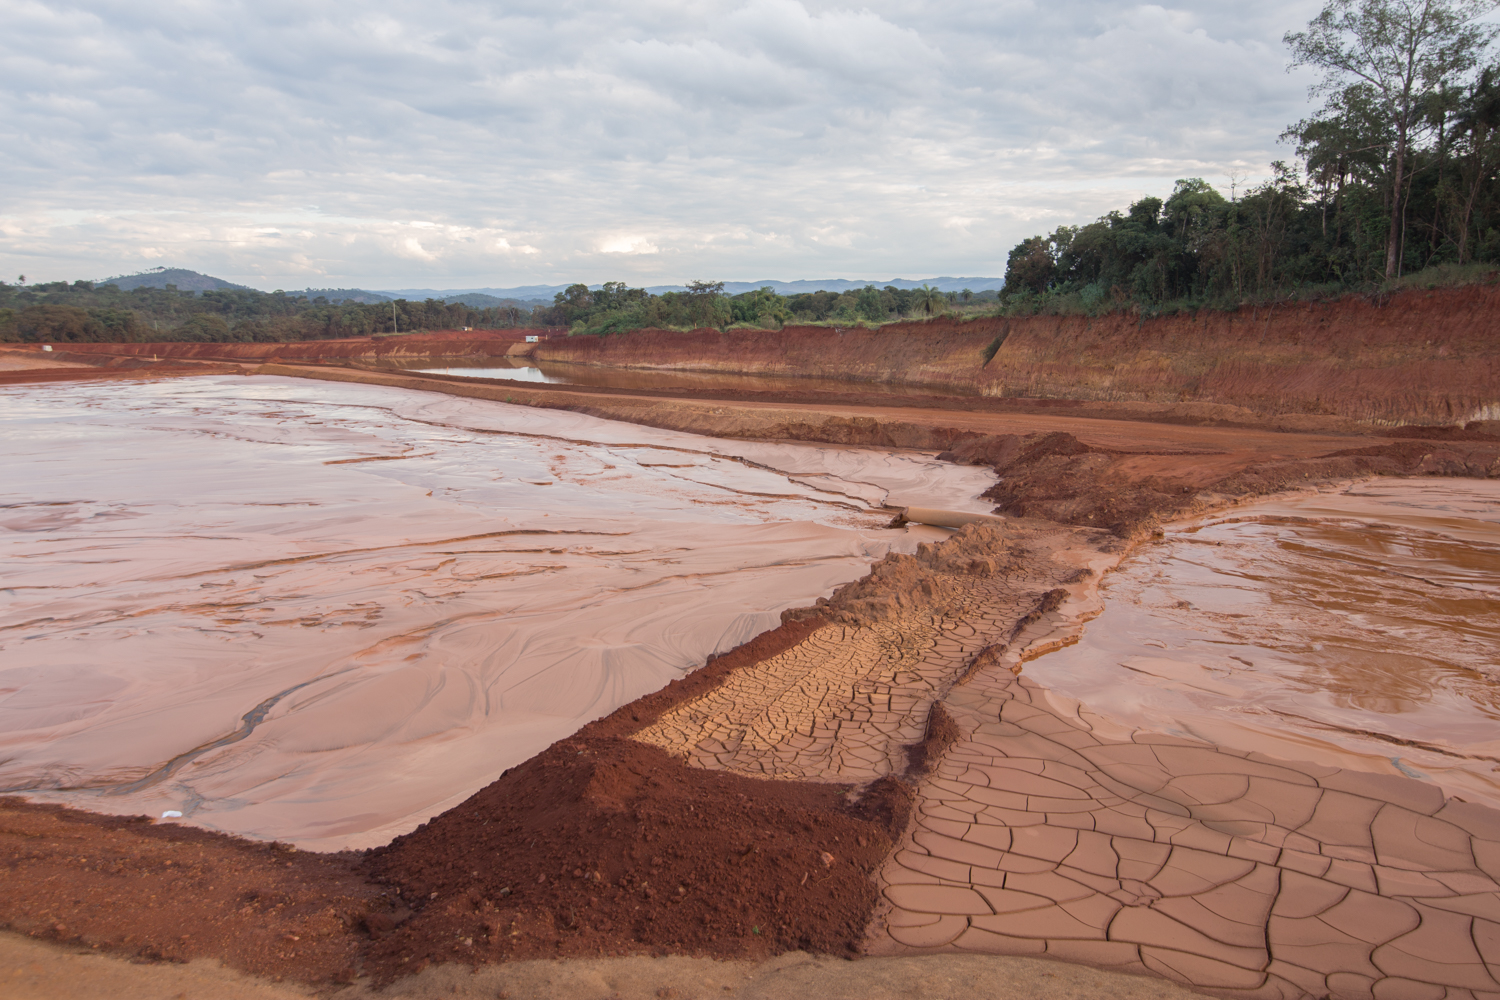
<point x="1418" y="357"/>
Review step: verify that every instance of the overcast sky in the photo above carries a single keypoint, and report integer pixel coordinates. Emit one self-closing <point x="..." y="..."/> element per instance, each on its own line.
<point x="443" y="143"/>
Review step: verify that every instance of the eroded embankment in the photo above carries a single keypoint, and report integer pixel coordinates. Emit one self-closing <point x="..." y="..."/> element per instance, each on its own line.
<point x="436" y="344"/>
<point x="1425" y="357"/>
<point x="1416" y="357"/>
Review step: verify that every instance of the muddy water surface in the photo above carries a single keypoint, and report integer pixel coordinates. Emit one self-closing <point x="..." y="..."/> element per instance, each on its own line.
<point x="635" y="378"/>
<point x="1359" y="627"/>
<point x="323" y="613"/>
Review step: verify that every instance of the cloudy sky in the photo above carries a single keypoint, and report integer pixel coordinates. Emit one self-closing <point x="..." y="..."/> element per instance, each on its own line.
<point x="443" y="143"/>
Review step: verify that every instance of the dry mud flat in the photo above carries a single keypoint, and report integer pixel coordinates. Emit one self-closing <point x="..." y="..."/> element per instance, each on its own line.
<point x="876" y="757"/>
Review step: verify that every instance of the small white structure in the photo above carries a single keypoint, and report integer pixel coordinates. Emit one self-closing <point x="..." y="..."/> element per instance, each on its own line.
<point x="46" y="347"/>
<point x="530" y="339"/>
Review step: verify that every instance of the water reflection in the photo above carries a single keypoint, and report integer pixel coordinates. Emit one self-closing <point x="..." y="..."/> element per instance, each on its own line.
<point x="515" y="374"/>
<point x="1360" y="627"/>
<point x="692" y="381"/>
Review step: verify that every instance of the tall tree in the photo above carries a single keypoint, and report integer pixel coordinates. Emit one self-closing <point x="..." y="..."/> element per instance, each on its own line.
<point x="1478" y="129"/>
<point x="1404" y="51"/>
<point x="929" y="300"/>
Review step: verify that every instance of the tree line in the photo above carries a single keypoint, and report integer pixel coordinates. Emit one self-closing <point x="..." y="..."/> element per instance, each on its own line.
<point x="614" y="307"/>
<point x="1398" y="171"/>
<point x="82" y="312"/>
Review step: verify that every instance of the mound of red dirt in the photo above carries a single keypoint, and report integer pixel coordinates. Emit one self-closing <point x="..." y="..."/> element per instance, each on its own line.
<point x="1057" y="477"/>
<point x="603" y="845"/>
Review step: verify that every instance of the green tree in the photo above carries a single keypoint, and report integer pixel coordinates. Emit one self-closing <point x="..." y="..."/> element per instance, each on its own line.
<point x="1404" y="51"/>
<point x="929" y="300"/>
<point x="1477" y="129"/>
<point x="703" y="302"/>
<point x="1030" y="267"/>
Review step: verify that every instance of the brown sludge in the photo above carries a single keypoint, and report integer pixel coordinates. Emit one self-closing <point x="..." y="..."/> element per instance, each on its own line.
<point x="872" y="777"/>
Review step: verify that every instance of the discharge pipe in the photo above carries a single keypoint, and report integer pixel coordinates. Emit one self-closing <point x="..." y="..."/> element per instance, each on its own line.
<point x="947" y="518"/>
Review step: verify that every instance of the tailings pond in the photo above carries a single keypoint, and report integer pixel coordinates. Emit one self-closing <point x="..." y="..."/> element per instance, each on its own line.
<point x="323" y="613"/>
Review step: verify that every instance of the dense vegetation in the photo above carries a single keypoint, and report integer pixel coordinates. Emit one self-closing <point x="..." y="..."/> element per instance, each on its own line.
<point x="614" y="307"/>
<point x="59" y="312"/>
<point x="1398" y="172"/>
<point x="79" y="312"/>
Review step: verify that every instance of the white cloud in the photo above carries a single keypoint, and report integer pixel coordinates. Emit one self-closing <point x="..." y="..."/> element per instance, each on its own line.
<point x="459" y="142"/>
<point x="628" y="244"/>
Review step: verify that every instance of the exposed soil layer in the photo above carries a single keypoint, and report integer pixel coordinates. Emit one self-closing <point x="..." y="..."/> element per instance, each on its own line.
<point x="603" y="845"/>
<point x="1417" y="357"/>
<point x="580" y="851"/>
<point x="437" y="343"/>
<point x="1057" y="477"/>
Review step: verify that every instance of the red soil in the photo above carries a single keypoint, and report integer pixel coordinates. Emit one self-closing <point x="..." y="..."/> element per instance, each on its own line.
<point x="434" y="343"/>
<point x="126" y="885"/>
<point x="1418" y="356"/>
<point x="634" y="824"/>
<point x="582" y="850"/>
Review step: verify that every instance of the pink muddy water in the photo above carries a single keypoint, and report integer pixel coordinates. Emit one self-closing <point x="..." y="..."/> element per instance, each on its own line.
<point x="1358" y="627"/>
<point x="324" y="613"/>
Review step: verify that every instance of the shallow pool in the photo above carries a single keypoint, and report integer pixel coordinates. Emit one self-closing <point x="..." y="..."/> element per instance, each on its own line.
<point x="1359" y="627"/>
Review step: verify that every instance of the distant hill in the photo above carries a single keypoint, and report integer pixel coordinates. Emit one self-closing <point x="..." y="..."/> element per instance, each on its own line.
<point x="359" y="295"/>
<point x="544" y="293"/>
<point x="804" y="285"/>
<point x="161" y="277"/>
<point x="524" y="293"/>
<point x="483" y="298"/>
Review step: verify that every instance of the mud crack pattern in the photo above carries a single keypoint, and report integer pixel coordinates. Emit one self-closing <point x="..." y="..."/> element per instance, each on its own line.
<point x="844" y="704"/>
<point x="1045" y="830"/>
<point x="1226" y="870"/>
